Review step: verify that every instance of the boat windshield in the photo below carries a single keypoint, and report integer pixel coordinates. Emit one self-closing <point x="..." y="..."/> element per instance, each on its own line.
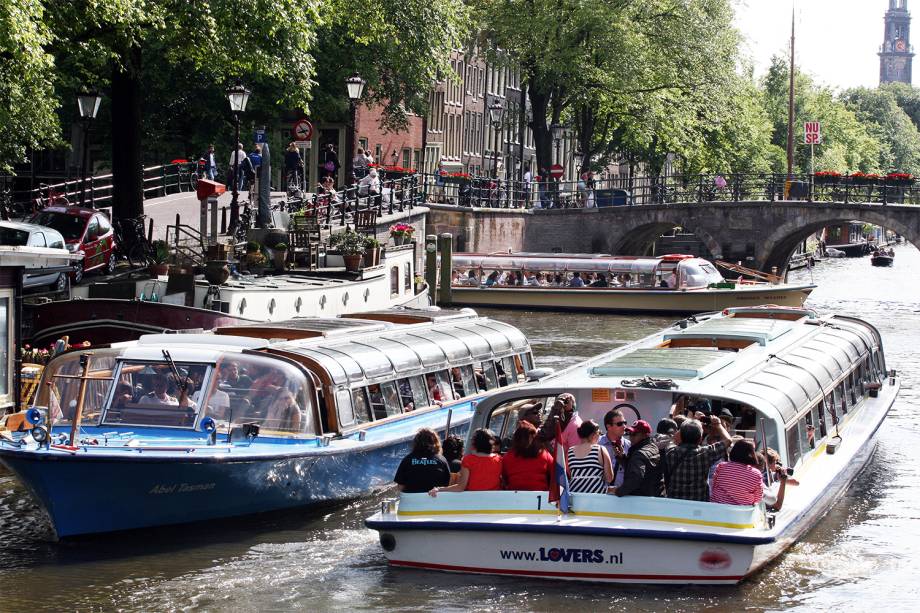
<point x="698" y="273"/>
<point x="241" y="389"/>
<point x="63" y="374"/>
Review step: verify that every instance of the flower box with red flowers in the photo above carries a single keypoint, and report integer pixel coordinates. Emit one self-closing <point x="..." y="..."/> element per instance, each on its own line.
<point x="455" y="177"/>
<point x="864" y="178"/>
<point x="899" y="178"/>
<point x="827" y="176"/>
<point x="396" y="171"/>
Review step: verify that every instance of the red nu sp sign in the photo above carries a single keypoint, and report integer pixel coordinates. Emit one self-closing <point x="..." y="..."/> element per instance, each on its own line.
<point x="812" y="132"/>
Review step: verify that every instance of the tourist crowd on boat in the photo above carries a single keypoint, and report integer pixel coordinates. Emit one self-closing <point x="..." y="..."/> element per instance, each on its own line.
<point x="695" y="454"/>
<point x="574" y="279"/>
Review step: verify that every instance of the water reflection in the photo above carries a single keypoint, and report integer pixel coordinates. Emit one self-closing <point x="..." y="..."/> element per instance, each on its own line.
<point x="861" y="555"/>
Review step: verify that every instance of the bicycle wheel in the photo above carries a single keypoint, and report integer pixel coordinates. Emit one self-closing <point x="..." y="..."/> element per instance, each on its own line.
<point x="137" y="255"/>
<point x="193" y="180"/>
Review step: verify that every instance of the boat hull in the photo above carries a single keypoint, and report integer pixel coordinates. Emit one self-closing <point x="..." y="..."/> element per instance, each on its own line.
<point x="631" y="300"/>
<point x="84" y="493"/>
<point x="572" y="557"/>
<point x="882" y="260"/>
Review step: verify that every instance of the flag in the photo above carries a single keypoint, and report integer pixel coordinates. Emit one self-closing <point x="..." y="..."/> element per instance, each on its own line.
<point x="559" y="480"/>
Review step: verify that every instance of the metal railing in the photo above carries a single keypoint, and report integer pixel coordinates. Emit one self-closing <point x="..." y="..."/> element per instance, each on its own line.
<point x="486" y="192"/>
<point x="158" y="181"/>
<point x="398" y="194"/>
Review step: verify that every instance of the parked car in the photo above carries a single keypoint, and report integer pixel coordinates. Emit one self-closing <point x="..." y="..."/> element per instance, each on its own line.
<point x="18" y="234"/>
<point x="85" y="231"/>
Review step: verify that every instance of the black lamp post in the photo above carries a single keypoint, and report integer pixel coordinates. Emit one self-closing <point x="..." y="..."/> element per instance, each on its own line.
<point x="495" y="118"/>
<point x="578" y="156"/>
<point x="355" y="86"/>
<point x="238" y="97"/>
<point x="556" y="130"/>
<point x="88" y="104"/>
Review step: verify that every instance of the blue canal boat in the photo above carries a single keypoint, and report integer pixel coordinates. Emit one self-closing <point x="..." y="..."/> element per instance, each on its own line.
<point x="174" y="428"/>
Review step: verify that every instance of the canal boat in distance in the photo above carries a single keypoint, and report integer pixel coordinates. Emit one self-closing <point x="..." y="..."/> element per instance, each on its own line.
<point x="174" y="428"/>
<point x="882" y="257"/>
<point x="664" y="284"/>
<point x="815" y="389"/>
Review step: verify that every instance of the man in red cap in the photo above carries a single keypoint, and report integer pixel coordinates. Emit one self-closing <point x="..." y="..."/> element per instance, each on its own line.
<point x="643" y="464"/>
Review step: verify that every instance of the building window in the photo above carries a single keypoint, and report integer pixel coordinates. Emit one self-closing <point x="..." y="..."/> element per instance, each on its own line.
<point x="378" y="152"/>
<point x="394" y="281"/>
<point x="407" y="158"/>
<point x="362" y="142"/>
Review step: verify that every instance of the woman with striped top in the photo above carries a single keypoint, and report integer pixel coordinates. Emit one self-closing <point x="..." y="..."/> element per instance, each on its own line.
<point x="589" y="469"/>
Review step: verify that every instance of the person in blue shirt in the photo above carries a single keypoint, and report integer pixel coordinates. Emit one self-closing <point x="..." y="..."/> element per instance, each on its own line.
<point x="576" y="280"/>
<point x="256" y="157"/>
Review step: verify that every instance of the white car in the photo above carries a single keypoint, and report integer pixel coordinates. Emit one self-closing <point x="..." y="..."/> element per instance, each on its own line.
<point x="17" y="234"/>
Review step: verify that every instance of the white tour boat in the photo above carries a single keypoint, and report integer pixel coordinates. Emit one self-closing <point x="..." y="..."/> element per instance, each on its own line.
<point x="815" y="389"/>
<point x="664" y="284"/>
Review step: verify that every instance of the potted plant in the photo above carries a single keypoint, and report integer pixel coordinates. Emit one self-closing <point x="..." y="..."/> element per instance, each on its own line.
<point x="279" y="256"/>
<point x="371" y="251"/>
<point x="827" y="176"/>
<point x="351" y="246"/>
<point x="254" y="259"/>
<point x="160" y="258"/>
<point x="401" y="233"/>
<point x="899" y="179"/>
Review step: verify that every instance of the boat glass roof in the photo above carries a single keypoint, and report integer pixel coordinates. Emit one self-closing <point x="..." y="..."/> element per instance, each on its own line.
<point x="678" y="363"/>
<point x="760" y="331"/>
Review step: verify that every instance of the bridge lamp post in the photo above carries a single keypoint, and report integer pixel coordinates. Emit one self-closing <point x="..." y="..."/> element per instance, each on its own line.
<point x="556" y="130"/>
<point x="238" y="97"/>
<point x="355" y="86"/>
<point x="495" y="118"/>
<point x="88" y="105"/>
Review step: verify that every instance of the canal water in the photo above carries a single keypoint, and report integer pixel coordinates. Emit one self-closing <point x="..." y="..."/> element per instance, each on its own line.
<point x="863" y="555"/>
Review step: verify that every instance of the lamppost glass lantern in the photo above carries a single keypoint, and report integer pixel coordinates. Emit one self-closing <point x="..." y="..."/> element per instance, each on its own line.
<point x="556" y="130"/>
<point x="495" y="114"/>
<point x="238" y="96"/>
<point x="88" y="104"/>
<point x="355" y="85"/>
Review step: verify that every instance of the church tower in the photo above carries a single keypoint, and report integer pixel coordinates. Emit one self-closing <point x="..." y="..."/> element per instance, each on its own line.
<point x="896" y="53"/>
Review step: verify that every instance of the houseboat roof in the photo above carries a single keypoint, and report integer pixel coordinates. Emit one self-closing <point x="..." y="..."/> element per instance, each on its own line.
<point x="556" y="262"/>
<point x="776" y="365"/>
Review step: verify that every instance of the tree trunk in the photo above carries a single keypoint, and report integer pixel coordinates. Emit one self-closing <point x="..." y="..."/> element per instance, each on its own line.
<point x="542" y="139"/>
<point x="127" y="166"/>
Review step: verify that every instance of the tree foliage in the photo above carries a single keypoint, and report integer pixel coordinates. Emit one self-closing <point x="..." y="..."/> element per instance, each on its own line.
<point x="27" y="96"/>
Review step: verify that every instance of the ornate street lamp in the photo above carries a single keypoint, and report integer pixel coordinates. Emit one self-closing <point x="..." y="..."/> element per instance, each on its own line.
<point x="495" y="118"/>
<point x="355" y="86"/>
<point x="88" y="105"/>
<point x="238" y="97"/>
<point x="579" y="157"/>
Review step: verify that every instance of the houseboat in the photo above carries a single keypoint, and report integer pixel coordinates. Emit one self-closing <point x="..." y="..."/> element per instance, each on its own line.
<point x="664" y="284"/>
<point x="814" y="388"/>
<point x="174" y="428"/>
<point x="119" y="310"/>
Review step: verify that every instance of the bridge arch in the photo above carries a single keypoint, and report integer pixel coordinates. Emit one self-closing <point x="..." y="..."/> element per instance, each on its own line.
<point x="639" y="239"/>
<point x="781" y="243"/>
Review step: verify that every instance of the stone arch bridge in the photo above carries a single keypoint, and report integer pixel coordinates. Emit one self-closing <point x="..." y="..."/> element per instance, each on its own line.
<point x="768" y="232"/>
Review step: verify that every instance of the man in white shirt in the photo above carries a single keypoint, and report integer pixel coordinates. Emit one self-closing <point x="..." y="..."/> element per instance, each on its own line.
<point x="158" y="396"/>
<point x="237" y="157"/>
<point x="370" y="184"/>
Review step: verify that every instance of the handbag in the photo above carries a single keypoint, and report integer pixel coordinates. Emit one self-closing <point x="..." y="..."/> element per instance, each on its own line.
<point x="330" y="166"/>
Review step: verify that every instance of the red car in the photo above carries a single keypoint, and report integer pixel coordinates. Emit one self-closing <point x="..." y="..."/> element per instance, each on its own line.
<point x="86" y="231"/>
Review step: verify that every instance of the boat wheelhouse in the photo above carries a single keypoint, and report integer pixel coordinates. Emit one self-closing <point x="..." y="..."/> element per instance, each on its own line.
<point x="814" y="389"/>
<point x="175" y="428"/>
<point x="667" y="284"/>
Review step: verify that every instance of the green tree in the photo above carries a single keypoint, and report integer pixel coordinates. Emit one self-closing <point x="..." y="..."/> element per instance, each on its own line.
<point x="879" y="111"/>
<point x="847" y="145"/>
<point x="27" y="98"/>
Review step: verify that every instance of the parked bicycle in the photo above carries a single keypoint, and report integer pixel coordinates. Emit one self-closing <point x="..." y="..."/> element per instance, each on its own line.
<point x="54" y="198"/>
<point x="131" y="241"/>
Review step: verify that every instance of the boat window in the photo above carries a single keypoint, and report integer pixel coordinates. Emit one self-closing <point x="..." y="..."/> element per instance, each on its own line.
<point x="469" y="380"/>
<point x="840" y="398"/>
<point x="854" y="389"/>
<point x="817" y="417"/>
<point x="792" y="443"/>
<point x="362" y="408"/>
<point x="830" y="411"/>
<point x="439" y="386"/>
<point x="150" y="394"/>
<point x="419" y="392"/>
<point x="391" y="399"/>
<point x="511" y="371"/>
<point x="407" y="277"/>
<point x="528" y="361"/>
<point x="489" y="379"/>
<point x="345" y="409"/>
<point x="501" y="374"/>
<point x="806" y="441"/>
<point x="394" y="281"/>
<point x="375" y="395"/>
<point x="61" y="397"/>
<point x="255" y="388"/>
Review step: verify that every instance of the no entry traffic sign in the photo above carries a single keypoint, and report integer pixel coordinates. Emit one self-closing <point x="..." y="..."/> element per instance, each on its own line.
<point x="302" y="130"/>
<point x="556" y="171"/>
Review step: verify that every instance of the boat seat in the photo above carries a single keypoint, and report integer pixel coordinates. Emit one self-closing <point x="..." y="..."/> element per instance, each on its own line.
<point x="366" y="222"/>
<point x="305" y="242"/>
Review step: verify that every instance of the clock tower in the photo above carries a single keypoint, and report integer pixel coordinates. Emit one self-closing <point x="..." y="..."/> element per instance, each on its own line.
<point x="896" y="53"/>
